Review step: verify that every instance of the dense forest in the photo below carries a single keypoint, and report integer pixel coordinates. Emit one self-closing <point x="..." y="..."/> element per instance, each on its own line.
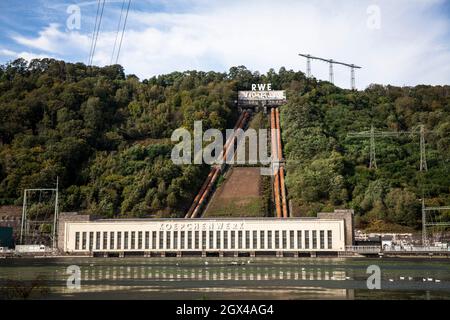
<point x="106" y="135"/>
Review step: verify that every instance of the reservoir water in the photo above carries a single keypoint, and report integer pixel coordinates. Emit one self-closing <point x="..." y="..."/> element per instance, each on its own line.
<point x="223" y="278"/>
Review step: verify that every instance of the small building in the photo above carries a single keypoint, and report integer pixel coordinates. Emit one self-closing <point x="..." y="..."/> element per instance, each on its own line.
<point x="6" y="237"/>
<point x="11" y="217"/>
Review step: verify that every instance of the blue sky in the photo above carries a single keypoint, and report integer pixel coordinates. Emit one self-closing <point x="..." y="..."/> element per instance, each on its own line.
<point x="401" y="42"/>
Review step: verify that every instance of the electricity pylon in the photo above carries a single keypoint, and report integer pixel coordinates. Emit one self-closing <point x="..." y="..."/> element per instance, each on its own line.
<point x="331" y="62"/>
<point x="372" y="134"/>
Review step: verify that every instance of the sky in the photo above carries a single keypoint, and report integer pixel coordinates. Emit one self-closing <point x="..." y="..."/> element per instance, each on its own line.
<point x="398" y="42"/>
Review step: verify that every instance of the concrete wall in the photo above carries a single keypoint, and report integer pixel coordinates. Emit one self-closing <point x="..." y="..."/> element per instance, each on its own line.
<point x="348" y="216"/>
<point x="68" y="217"/>
<point x="11" y="216"/>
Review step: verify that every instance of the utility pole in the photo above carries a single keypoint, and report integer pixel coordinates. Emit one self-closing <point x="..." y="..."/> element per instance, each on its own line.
<point x="423" y="153"/>
<point x="424" y="223"/>
<point x="352" y="77"/>
<point x="373" y="158"/>
<point x="331" y="72"/>
<point x="308" y="66"/>
<point x="55" y="219"/>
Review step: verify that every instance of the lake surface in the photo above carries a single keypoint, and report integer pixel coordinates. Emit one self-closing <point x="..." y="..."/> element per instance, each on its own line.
<point x="224" y="278"/>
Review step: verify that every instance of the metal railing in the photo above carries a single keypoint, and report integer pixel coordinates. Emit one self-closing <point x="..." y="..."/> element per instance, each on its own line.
<point x="399" y="249"/>
<point x="415" y="249"/>
<point x="363" y="249"/>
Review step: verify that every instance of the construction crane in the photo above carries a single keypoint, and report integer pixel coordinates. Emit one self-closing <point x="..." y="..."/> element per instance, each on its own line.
<point x="331" y="62"/>
<point x="372" y="134"/>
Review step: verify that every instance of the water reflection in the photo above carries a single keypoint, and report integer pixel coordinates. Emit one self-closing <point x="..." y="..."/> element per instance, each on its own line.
<point x="168" y="278"/>
<point x="225" y="273"/>
<point x="248" y="279"/>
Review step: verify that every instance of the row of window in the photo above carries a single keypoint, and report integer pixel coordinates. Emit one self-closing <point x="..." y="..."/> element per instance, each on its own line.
<point x="202" y="240"/>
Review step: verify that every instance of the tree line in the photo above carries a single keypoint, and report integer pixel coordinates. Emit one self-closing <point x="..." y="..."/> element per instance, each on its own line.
<point x="106" y="135"/>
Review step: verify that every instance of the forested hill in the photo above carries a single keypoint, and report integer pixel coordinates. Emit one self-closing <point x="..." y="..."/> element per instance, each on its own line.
<point x="107" y="136"/>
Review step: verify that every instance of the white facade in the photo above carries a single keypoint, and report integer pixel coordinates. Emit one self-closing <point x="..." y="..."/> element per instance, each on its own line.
<point x="205" y="235"/>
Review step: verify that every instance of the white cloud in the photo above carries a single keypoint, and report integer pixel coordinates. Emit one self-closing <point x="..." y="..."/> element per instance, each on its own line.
<point x="6" y="52"/>
<point x="24" y="54"/>
<point x="410" y="48"/>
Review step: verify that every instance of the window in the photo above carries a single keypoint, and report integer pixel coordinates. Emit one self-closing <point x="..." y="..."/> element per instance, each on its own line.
<point x="119" y="240"/>
<point x="161" y="240"/>
<point x="182" y="239"/>
<point x="77" y="241"/>
<point x="240" y="240"/>
<point x="97" y="240"/>
<point x="147" y="240"/>
<point x="261" y="239"/>
<point x="299" y="239"/>
<point x="225" y="239"/>
<point x="175" y="239"/>
<point x="91" y="241"/>
<point x="168" y="240"/>
<point x="218" y="240"/>
<point x="203" y="240"/>
<point x="307" y="239"/>
<point x="330" y="239"/>
<point x="322" y="239"/>
<point x="197" y="240"/>
<point x="189" y="240"/>
<point x="133" y="240"/>
<point x="277" y="239"/>
<point x="83" y="241"/>
<point x="247" y="239"/>
<point x="291" y="239"/>
<point x="314" y="239"/>
<point x="211" y="239"/>
<point x="284" y="235"/>
<point x="269" y="239"/>
<point x="233" y="239"/>
<point x="111" y="240"/>
<point x="153" y="240"/>
<point x="105" y="240"/>
<point x="140" y="240"/>
<point x="255" y="239"/>
<point x="125" y="243"/>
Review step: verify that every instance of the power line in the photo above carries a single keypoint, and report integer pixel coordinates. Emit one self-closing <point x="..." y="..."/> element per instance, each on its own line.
<point x="98" y="31"/>
<point x="93" y="32"/>
<point x="117" y="32"/>
<point x="123" y="31"/>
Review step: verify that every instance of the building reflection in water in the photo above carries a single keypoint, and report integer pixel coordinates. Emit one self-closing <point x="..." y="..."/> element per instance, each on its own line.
<point x="218" y="278"/>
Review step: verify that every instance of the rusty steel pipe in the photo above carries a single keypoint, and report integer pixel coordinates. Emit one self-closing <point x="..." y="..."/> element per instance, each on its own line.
<point x="214" y="174"/>
<point x="281" y="170"/>
<point x="283" y="194"/>
<point x="276" y="183"/>
<point x="278" y="129"/>
<point x="199" y="194"/>
<point x="231" y="140"/>
<point x="206" y="193"/>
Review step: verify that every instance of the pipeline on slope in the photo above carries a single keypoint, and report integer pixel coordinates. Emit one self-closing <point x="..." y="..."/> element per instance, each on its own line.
<point x="279" y="186"/>
<point x="208" y="185"/>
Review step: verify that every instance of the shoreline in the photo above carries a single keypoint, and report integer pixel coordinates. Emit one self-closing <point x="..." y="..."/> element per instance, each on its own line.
<point x="374" y="257"/>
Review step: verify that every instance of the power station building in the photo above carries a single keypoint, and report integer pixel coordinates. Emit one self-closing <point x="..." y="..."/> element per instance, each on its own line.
<point x="330" y="232"/>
